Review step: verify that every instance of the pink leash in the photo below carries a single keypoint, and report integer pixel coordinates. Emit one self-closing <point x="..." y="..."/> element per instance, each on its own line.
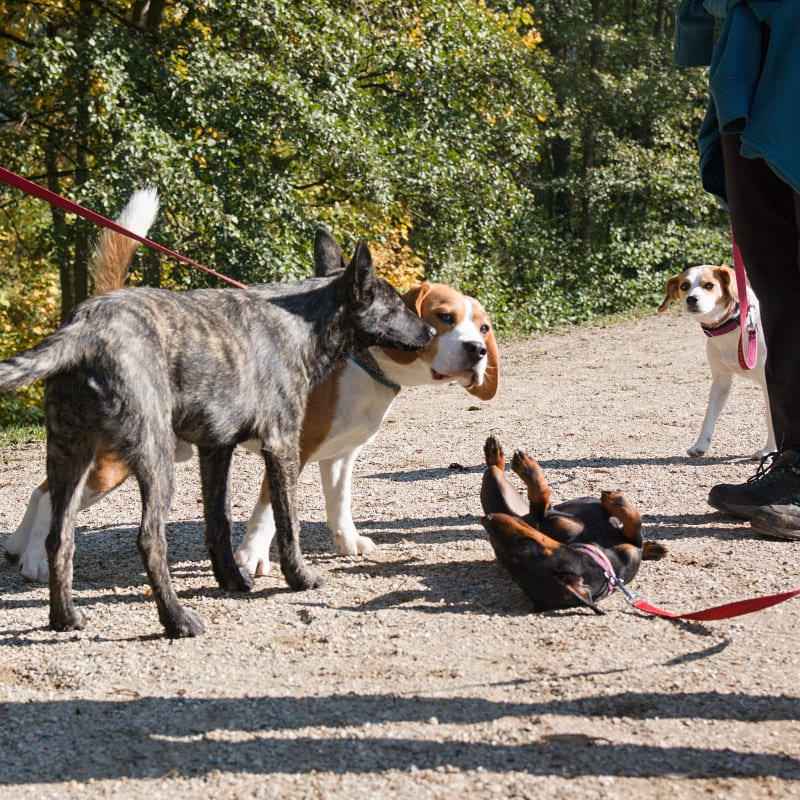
<point x="747" y="360"/>
<point x="34" y="189"/>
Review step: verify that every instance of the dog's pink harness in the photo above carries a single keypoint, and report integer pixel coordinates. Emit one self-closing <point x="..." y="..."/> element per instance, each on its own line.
<point x="602" y="561"/>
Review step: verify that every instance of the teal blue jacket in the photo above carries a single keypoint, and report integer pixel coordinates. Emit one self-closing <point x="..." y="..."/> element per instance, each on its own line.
<point x="754" y="80"/>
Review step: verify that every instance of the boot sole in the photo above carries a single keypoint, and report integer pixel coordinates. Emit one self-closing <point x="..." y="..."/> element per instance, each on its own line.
<point x="776" y="532"/>
<point x="743" y="512"/>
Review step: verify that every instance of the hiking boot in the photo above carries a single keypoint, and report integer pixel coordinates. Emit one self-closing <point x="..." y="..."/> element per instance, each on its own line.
<point x="771" y="483"/>
<point x="779" y="520"/>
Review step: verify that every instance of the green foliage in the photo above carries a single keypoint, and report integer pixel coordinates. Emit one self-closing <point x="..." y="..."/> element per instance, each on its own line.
<point x="539" y="157"/>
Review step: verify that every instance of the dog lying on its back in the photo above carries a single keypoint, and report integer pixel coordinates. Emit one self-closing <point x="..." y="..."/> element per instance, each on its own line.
<point x="138" y="369"/>
<point x="565" y="555"/>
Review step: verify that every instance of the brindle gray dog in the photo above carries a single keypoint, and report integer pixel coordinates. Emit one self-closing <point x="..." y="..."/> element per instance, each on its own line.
<point x="214" y="367"/>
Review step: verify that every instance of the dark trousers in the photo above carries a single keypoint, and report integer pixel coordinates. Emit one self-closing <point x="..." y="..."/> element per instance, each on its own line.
<point x="765" y="214"/>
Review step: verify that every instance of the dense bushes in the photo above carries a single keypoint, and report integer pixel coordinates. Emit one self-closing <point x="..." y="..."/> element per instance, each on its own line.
<point x="541" y="158"/>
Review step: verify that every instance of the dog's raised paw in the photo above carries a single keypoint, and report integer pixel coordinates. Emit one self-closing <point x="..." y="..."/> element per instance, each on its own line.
<point x="521" y="462"/>
<point x="493" y="453"/>
<point x="653" y="551"/>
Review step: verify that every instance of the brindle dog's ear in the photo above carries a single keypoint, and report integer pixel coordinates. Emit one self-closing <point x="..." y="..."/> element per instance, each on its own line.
<point x="328" y="257"/>
<point x="360" y="276"/>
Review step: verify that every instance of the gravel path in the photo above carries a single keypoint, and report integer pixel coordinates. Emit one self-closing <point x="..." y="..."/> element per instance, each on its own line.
<point x="419" y="672"/>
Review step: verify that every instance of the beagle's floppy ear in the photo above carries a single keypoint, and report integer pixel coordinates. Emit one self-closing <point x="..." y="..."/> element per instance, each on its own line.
<point x="414" y="297"/>
<point x="727" y="281"/>
<point x="672" y="290"/>
<point x="491" y="378"/>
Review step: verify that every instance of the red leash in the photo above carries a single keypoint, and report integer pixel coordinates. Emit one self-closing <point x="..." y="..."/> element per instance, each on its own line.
<point x="746" y="360"/>
<point x="725" y="611"/>
<point x="29" y="187"/>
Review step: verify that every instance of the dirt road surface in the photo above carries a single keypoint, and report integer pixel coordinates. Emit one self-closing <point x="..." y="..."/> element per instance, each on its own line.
<point x="419" y="672"/>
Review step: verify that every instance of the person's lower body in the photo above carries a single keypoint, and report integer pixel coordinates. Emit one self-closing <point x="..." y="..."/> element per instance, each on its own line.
<point x="765" y="215"/>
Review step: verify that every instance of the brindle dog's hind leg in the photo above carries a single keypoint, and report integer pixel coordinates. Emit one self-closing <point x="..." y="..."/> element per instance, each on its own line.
<point x="152" y="465"/>
<point x="68" y="463"/>
<point x="283" y="467"/>
<point x="215" y="478"/>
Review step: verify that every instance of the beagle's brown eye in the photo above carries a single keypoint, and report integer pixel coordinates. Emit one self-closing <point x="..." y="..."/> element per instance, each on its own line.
<point x="448" y="319"/>
<point x="685" y="286"/>
<point x="485" y="329"/>
<point x="708" y="286"/>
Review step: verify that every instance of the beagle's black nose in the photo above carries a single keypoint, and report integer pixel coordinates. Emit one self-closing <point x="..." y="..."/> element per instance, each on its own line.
<point x="475" y="350"/>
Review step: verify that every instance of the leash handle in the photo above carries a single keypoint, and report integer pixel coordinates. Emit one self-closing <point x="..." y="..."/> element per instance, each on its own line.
<point x="747" y="359"/>
<point x="34" y="189"/>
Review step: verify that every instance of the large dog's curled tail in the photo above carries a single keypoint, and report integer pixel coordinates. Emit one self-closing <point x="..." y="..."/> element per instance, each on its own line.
<point x="108" y="266"/>
<point x="57" y="353"/>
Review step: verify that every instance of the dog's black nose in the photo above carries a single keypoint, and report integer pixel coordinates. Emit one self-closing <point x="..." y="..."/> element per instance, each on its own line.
<point x="475" y="350"/>
<point x="691" y="300"/>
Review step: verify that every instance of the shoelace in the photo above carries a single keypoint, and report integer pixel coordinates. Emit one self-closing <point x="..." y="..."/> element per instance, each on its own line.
<point x="769" y="473"/>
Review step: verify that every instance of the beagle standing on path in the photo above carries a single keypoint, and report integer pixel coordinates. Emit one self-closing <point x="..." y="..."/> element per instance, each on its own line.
<point x="708" y="293"/>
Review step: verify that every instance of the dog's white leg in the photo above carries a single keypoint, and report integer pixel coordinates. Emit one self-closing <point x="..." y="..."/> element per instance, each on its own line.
<point x="33" y="562"/>
<point x="770" y="446"/>
<point x="27" y="542"/>
<point x="337" y="479"/>
<point x="18" y="541"/>
<point x="34" y="527"/>
<point x="720" y="389"/>
<point x="253" y="551"/>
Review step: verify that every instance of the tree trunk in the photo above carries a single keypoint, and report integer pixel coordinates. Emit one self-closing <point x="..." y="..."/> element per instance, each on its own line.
<point x="61" y="231"/>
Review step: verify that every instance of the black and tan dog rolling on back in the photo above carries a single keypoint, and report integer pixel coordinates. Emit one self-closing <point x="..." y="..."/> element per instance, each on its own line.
<point x="136" y="369"/>
<point x="561" y="556"/>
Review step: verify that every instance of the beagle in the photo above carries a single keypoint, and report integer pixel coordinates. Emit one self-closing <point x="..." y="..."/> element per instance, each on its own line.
<point x="344" y="411"/>
<point x="708" y="293"/>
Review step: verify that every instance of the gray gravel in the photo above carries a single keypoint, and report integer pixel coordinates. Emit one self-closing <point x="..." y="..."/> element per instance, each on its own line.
<point x="418" y="672"/>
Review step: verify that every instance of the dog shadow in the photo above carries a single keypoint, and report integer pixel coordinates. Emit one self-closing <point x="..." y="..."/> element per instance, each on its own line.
<point x="475" y="587"/>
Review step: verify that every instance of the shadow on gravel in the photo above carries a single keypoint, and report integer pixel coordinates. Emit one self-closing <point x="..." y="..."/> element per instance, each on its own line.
<point x="480" y="587"/>
<point x="151" y="737"/>
<point x="597" y="462"/>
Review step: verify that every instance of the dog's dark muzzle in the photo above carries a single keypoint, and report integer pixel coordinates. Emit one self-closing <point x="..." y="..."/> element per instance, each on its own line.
<point x="408" y="337"/>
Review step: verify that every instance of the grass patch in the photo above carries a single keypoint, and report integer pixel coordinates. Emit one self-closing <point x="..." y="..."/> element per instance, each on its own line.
<point x="21" y="434"/>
